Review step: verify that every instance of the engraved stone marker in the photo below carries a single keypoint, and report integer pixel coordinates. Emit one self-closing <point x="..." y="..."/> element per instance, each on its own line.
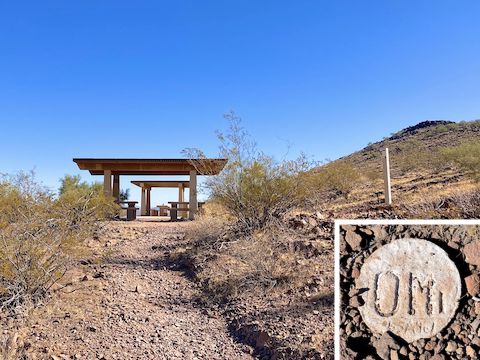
<point x="412" y="289"/>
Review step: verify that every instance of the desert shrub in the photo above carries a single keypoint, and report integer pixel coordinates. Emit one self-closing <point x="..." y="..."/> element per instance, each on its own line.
<point x="338" y="178"/>
<point x="253" y="188"/>
<point x="458" y="205"/>
<point x="371" y="175"/>
<point x="413" y="155"/>
<point x="441" y="129"/>
<point x="420" y="160"/>
<point x="468" y="204"/>
<point x="259" y="262"/>
<point x="214" y="209"/>
<point x="247" y="249"/>
<point x="74" y="183"/>
<point x="466" y="156"/>
<point x="39" y="234"/>
<point x="83" y="202"/>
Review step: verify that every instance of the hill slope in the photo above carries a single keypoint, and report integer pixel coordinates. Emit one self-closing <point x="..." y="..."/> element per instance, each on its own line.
<point x="425" y="137"/>
<point x="418" y="169"/>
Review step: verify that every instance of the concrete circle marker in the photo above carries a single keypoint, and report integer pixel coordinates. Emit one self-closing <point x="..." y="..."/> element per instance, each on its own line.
<point x="410" y="288"/>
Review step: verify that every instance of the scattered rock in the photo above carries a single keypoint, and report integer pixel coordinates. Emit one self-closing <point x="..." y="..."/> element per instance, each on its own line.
<point x="393" y="355"/>
<point x="472" y="252"/>
<point x="262" y="339"/>
<point x="353" y="239"/>
<point x="366" y="231"/>
<point x="470" y="351"/>
<point x="429" y="346"/>
<point x="472" y="283"/>
<point x="451" y="347"/>
<point x="460" y="351"/>
<point x="355" y="301"/>
<point x="384" y="344"/>
<point x="99" y="275"/>
<point x="456" y="328"/>
<point x="477" y="307"/>
<point x="379" y="232"/>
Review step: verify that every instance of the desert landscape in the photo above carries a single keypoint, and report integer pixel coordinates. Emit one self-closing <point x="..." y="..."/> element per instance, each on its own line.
<point x="273" y="180"/>
<point x="250" y="277"/>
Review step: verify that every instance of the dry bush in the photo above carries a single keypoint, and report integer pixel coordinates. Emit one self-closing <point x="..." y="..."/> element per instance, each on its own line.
<point x="460" y="204"/>
<point x="39" y="234"/>
<point x="208" y="233"/>
<point x="229" y="263"/>
<point x="248" y="249"/>
<point x="12" y="347"/>
<point x="215" y="210"/>
<point x="260" y="262"/>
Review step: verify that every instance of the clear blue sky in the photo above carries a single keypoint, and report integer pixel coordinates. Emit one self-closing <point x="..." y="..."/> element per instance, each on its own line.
<point x="149" y="78"/>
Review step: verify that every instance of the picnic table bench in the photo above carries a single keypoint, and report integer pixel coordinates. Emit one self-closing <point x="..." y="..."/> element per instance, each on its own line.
<point x="180" y="207"/>
<point x="131" y="209"/>
<point x="163" y="210"/>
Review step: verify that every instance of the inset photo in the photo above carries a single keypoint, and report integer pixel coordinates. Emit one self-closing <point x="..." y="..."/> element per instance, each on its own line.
<point x="408" y="289"/>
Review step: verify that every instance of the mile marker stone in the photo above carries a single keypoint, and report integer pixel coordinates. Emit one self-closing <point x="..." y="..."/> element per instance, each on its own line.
<point x="411" y="288"/>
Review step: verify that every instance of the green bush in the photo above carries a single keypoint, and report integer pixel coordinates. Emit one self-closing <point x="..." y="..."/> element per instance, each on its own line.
<point x="74" y="183"/>
<point x="337" y="177"/>
<point x="413" y="156"/>
<point x="253" y="187"/>
<point x="466" y="156"/>
<point x="84" y="200"/>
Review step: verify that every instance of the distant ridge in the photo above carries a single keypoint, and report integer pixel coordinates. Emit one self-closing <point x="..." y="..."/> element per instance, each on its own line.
<point x="425" y="124"/>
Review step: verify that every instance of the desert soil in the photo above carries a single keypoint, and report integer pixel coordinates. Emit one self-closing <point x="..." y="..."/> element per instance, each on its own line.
<point x="126" y="301"/>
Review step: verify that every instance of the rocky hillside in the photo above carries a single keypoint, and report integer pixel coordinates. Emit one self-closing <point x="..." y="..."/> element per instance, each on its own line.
<point x="420" y="140"/>
<point x="419" y="170"/>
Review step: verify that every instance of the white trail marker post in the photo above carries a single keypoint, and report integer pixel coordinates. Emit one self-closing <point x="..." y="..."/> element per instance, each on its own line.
<point x="386" y="174"/>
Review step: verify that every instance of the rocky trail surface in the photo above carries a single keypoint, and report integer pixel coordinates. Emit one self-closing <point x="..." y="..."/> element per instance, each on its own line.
<point x="131" y="304"/>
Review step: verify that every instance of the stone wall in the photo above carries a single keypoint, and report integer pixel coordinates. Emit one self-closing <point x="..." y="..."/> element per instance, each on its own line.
<point x="454" y="325"/>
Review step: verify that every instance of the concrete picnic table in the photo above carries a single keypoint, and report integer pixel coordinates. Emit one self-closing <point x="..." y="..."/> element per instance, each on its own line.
<point x="163" y="210"/>
<point x="181" y="207"/>
<point x="131" y="209"/>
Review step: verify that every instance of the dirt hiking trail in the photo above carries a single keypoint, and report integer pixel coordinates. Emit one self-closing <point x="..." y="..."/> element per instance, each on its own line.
<point x="133" y="304"/>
